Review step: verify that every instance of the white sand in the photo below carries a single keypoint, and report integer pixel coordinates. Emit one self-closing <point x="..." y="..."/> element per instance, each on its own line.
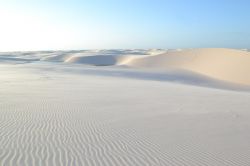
<point x="224" y="64"/>
<point x="55" y="113"/>
<point x="218" y="63"/>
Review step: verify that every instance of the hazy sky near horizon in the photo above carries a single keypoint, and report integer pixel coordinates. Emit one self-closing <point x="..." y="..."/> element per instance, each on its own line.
<point x="106" y="24"/>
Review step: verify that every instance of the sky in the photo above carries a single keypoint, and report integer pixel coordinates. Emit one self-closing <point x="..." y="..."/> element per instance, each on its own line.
<point x="28" y="25"/>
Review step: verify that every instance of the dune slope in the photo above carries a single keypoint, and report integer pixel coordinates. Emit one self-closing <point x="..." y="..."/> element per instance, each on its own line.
<point x="223" y="64"/>
<point x="218" y="63"/>
<point x="99" y="60"/>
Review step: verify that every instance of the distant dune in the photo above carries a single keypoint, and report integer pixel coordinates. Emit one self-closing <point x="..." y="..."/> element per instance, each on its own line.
<point x="99" y="60"/>
<point x="223" y="64"/>
<point x="219" y="63"/>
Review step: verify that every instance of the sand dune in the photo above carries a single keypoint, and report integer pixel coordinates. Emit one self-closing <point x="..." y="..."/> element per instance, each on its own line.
<point x="58" y="57"/>
<point x="223" y="64"/>
<point x="228" y="65"/>
<point x="145" y="107"/>
<point x="99" y="60"/>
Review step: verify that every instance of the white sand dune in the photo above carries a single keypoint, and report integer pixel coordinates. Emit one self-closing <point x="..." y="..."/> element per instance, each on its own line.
<point x="59" y="57"/>
<point x="226" y="65"/>
<point x="223" y="64"/>
<point x="218" y="63"/>
<point x="73" y="114"/>
<point x="99" y="60"/>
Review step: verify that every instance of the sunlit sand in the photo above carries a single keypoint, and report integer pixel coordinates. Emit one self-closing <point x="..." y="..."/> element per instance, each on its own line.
<point x="125" y="107"/>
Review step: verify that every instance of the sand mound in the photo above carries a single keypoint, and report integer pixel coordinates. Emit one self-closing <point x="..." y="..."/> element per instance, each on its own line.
<point x="99" y="60"/>
<point x="58" y="57"/>
<point x="223" y="64"/>
<point x="217" y="63"/>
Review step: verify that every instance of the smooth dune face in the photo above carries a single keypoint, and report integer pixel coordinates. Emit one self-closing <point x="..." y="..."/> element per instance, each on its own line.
<point x="223" y="64"/>
<point x="99" y="60"/>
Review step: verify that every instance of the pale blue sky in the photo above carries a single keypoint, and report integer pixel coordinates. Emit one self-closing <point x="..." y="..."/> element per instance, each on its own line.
<point x="91" y="24"/>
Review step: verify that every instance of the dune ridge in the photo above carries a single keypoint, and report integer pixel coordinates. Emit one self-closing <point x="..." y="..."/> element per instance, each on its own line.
<point x="219" y="63"/>
<point x="223" y="64"/>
